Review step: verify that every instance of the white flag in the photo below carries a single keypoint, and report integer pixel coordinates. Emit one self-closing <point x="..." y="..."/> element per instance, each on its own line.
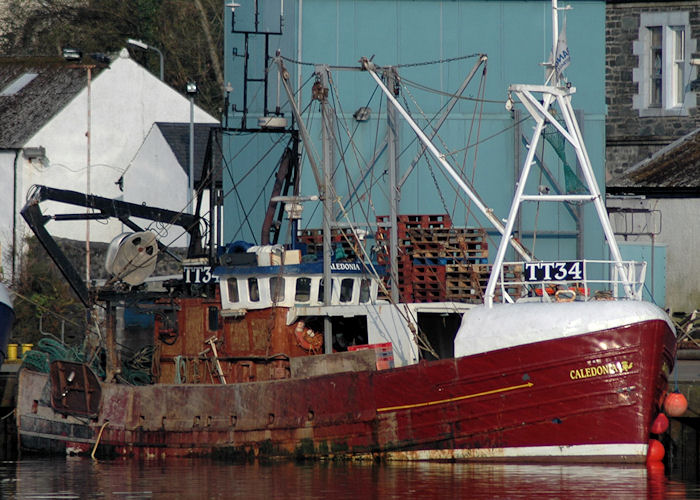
<point x="561" y="57"/>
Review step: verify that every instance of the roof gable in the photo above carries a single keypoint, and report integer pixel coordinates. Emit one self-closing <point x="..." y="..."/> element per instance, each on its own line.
<point x="27" y="104"/>
<point x="673" y="170"/>
<point x="177" y="135"/>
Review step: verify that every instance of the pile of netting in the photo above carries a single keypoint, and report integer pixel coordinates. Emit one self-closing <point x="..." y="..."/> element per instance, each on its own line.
<point x="48" y="350"/>
<point x="135" y="370"/>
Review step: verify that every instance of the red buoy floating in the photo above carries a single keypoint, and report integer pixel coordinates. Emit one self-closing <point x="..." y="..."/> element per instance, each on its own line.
<point x="675" y="404"/>
<point x="660" y="424"/>
<point x="656" y="451"/>
<point x="656" y="472"/>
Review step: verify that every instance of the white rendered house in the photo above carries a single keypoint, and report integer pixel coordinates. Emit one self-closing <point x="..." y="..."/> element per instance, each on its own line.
<point x="57" y="114"/>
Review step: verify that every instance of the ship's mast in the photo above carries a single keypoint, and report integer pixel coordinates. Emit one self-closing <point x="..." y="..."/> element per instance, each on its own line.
<point x="539" y="101"/>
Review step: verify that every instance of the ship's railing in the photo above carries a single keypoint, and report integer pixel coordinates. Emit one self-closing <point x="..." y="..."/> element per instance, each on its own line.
<point x="571" y="280"/>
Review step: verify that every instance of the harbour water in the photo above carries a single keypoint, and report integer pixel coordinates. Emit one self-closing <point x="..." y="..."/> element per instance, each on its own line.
<point x="79" y="477"/>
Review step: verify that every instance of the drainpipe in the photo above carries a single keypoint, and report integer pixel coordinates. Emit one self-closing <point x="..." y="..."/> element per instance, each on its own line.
<point x="15" y="209"/>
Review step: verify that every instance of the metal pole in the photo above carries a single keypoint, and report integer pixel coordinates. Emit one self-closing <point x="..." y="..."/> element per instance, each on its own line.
<point x="162" y="65"/>
<point x="393" y="146"/>
<point x="190" y="188"/>
<point x="112" y="362"/>
<point x="145" y="46"/>
<point x="327" y="212"/>
<point x="87" y="221"/>
<point x="305" y="138"/>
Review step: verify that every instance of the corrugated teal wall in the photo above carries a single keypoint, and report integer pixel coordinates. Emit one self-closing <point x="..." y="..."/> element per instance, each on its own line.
<point x="516" y="36"/>
<point x="655" y="257"/>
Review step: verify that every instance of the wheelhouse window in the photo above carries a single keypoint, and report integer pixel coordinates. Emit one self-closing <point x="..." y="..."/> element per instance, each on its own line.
<point x="303" y="290"/>
<point x="346" y="287"/>
<point x="277" y="289"/>
<point x="253" y="290"/>
<point x="320" y="290"/>
<point x="365" y="290"/>
<point x="232" y="285"/>
<point x="664" y="74"/>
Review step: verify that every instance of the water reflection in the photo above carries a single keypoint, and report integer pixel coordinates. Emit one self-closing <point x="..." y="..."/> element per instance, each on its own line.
<point x="66" y="478"/>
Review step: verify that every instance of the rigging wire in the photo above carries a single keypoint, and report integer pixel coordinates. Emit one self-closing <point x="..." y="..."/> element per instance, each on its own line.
<point x="428" y="162"/>
<point x="405" y="65"/>
<point x="458" y="194"/>
<point x="487" y="138"/>
<point x="235" y="189"/>
<point x="358" y="156"/>
<point x="365" y="168"/>
<point x="482" y="89"/>
<point x="443" y="93"/>
<point x="537" y="213"/>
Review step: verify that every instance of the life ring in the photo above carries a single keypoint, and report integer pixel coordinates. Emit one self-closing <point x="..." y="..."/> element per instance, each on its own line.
<point x="307" y="338"/>
<point x="567" y="295"/>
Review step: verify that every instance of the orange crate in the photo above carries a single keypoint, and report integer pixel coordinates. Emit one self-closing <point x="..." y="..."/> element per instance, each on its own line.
<point x="384" y="353"/>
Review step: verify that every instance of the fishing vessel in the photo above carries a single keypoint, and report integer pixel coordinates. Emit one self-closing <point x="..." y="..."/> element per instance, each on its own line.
<point x="256" y="357"/>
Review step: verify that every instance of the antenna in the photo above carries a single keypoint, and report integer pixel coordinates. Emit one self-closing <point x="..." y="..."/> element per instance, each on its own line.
<point x="270" y="119"/>
<point x="559" y="58"/>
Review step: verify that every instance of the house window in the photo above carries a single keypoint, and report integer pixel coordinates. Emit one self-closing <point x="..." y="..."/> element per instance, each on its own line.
<point x="656" y="67"/>
<point x="679" y="80"/>
<point x="664" y="72"/>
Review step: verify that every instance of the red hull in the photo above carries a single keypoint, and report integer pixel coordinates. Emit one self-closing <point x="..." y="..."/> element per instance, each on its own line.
<point x="591" y="397"/>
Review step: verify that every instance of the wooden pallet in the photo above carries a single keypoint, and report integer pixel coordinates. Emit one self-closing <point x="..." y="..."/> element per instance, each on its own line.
<point x="480" y="279"/>
<point x="456" y="244"/>
<point x="313" y="239"/>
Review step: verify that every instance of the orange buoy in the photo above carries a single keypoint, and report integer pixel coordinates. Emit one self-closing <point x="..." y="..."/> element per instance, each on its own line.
<point x="675" y="404"/>
<point x="655" y="451"/>
<point x="656" y="470"/>
<point x="307" y="338"/>
<point x="660" y="424"/>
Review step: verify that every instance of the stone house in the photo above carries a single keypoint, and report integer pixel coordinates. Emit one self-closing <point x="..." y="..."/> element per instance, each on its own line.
<point x="652" y="148"/>
<point x="651" y="51"/>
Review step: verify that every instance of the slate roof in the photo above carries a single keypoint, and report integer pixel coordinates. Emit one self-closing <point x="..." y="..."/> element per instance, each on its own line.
<point x="24" y="113"/>
<point x="672" y="171"/>
<point x="207" y="147"/>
